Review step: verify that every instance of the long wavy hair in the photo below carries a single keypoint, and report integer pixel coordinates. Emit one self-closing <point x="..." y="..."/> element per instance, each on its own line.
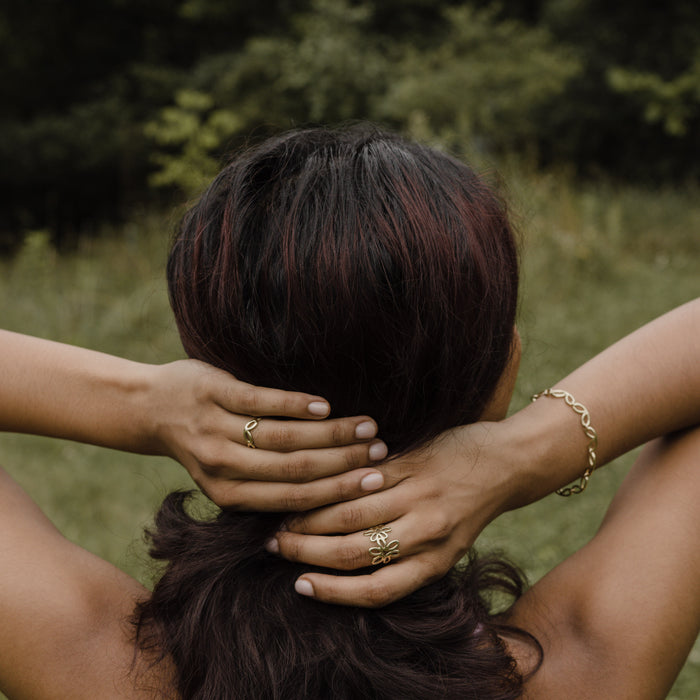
<point x="382" y="275"/>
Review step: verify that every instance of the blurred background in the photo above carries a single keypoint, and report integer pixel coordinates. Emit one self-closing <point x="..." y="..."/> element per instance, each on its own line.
<point x="113" y="114"/>
<point x="105" y="105"/>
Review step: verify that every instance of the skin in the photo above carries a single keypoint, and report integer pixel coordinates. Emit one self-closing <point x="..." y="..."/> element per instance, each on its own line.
<point x="193" y="413"/>
<point x="645" y="386"/>
<point x="63" y="609"/>
<point x="618" y="618"/>
<point x="431" y="522"/>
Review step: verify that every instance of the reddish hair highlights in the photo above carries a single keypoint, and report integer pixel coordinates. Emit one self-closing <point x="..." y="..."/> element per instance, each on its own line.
<point x="382" y="275"/>
<point x="377" y="273"/>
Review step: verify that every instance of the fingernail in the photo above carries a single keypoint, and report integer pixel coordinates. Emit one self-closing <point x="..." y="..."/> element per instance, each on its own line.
<point x="272" y="545"/>
<point x="378" y="451"/>
<point x="304" y="587"/>
<point x="372" y="481"/>
<point x="284" y="527"/>
<point x="365" y="430"/>
<point x="319" y="408"/>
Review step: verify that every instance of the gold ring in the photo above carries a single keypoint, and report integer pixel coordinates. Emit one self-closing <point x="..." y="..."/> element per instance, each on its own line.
<point x="250" y="426"/>
<point x="385" y="551"/>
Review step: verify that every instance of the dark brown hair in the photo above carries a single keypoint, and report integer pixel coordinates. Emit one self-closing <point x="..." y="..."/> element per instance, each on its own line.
<point x="382" y="275"/>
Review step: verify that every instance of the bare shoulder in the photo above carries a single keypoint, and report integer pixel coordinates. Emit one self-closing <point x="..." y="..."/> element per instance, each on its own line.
<point x="65" y="613"/>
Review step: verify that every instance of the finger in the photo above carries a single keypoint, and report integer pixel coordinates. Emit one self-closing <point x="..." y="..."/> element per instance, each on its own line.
<point x="289" y="436"/>
<point x="237" y="462"/>
<point x="375" y="590"/>
<point x="353" y="516"/>
<point x="276" y="497"/>
<point x="238" y="397"/>
<point x="348" y="552"/>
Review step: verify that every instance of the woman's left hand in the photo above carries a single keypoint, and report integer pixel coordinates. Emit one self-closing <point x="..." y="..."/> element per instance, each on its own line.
<point x="436" y="502"/>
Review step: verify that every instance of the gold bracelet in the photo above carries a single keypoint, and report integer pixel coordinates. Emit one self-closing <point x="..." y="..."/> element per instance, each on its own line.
<point x="591" y="434"/>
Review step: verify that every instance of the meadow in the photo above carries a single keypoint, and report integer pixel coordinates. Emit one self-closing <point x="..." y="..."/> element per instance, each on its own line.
<point x="598" y="260"/>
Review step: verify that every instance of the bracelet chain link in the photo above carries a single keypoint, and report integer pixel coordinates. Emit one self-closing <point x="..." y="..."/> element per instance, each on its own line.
<point x="588" y="429"/>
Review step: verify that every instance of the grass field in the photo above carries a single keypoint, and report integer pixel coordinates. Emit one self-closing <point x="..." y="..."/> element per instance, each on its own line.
<point x="598" y="261"/>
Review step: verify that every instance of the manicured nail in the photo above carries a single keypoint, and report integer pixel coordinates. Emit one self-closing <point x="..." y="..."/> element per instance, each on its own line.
<point x="365" y="430"/>
<point x="319" y="408"/>
<point x="304" y="587"/>
<point x="372" y="482"/>
<point x="272" y="545"/>
<point x="378" y="451"/>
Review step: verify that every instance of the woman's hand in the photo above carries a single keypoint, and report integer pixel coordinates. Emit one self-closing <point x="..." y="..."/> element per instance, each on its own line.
<point x="436" y="503"/>
<point x="196" y="414"/>
<point x="199" y="415"/>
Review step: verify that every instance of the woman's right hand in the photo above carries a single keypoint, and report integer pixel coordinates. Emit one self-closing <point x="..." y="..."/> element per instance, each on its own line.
<point x="196" y="414"/>
<point x="199" y="414"/>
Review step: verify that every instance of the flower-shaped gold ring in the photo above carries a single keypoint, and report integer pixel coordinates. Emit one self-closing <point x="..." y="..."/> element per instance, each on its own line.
<point x="385" y="551"/>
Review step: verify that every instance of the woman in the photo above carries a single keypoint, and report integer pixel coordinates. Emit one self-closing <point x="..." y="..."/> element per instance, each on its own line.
<point x="320" y="253"/>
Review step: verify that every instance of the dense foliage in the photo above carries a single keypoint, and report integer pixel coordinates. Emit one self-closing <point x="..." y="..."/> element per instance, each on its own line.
<point x="99" y="99"/>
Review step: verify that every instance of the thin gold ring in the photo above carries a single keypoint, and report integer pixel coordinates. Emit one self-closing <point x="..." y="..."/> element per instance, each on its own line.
<point x="385" y="551"/>
<point x="250" y="426"/>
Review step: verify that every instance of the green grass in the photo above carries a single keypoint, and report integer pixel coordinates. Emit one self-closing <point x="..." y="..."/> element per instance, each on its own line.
<point x="598" y="261"/>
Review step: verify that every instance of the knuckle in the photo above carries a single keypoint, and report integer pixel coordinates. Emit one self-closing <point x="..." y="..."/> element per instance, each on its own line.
<point x="298" y="524"/>
<point x="248" y="400"/>
<point x="352" y="519"/>
<point x="351" y="557"/>
<point x="295" y="499"/>
<point x="202" y="390"/>
<point x="345" y="490"/>
<point x="298" y="467"/>
<point x="378" y="594"/>
<point x="281" y="436"/>
<point x="228" y="392"/>
<point x="290" y="548"/>
<point x="439" y="527"/>
<point x="337" y="436"/>
<point x="290" y="404"/>
<point x="210" y="461"/>
<point x="355" y="457"/>
<point x="258" y="468"/>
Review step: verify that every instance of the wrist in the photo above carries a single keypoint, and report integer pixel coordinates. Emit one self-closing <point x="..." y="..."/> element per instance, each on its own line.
<point x="548" y="448"/>
<point x="146" y="400"/>
<point x="105" y="404"/>
<point x="128" y="421"/>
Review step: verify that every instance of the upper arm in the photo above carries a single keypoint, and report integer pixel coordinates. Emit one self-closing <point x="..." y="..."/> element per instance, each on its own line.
<point x="618" y="618"/>
<point x="63" y="610"/>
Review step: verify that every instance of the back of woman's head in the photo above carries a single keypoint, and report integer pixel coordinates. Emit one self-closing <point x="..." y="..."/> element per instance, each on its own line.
<point x="377" y="273"/>
<point x="382" y="275"/>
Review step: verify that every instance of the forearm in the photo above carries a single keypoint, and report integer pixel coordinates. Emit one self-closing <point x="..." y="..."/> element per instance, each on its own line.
<point x="58" y="390"/>
<point x="644" y="386"/>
